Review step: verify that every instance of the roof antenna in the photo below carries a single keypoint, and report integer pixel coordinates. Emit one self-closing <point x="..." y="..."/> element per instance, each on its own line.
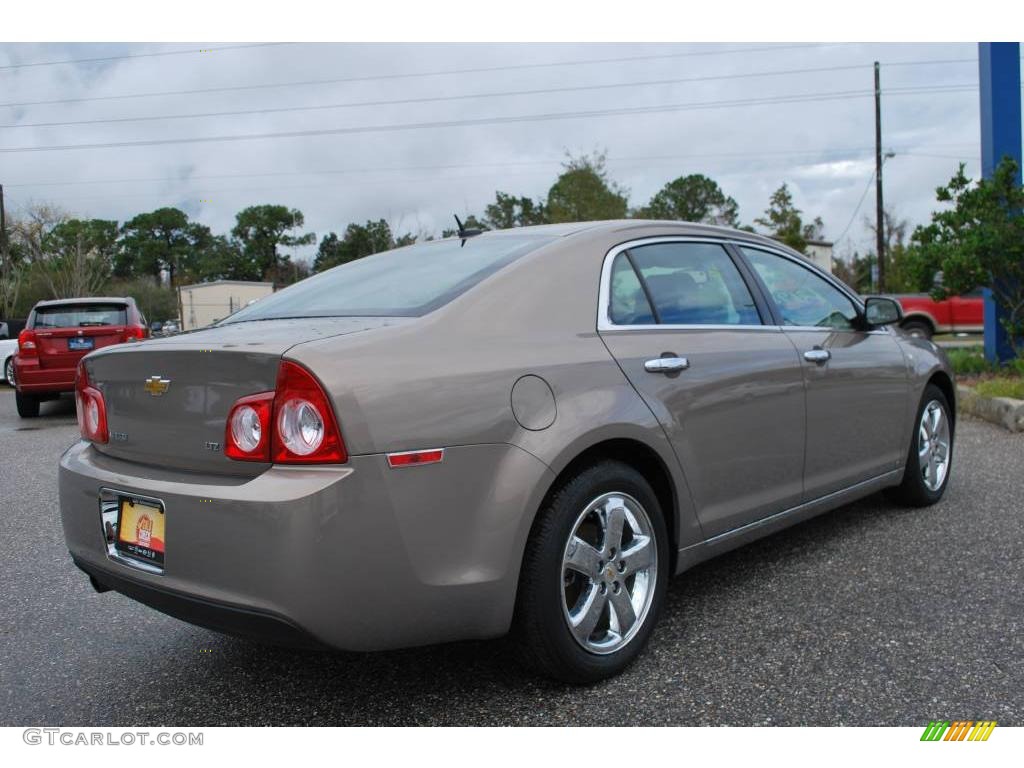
<point x="463" y="232"/>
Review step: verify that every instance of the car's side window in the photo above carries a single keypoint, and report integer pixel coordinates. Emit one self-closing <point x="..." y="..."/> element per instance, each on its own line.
<point x="803" y="298"/>
<point x="689" y="284"/>
<point x="629" y="304"/>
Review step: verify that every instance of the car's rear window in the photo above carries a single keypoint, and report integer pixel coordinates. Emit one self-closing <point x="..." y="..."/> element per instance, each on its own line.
<point x="406" y="282"/>
<point x="80" y="315"/>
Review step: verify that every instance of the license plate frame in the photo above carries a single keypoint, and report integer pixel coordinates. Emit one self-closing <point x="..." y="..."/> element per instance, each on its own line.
<point x="140" y="535"/>
<point x="81" y="343"/>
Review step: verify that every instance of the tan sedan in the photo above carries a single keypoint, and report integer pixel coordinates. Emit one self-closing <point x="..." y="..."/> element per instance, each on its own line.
<point x="525" y="431"/>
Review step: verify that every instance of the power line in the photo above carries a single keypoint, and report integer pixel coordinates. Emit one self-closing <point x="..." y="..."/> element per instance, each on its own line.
<point x="497" y="120"/>
<point x="435" y="73"/>
<point x="432" y="99"/>
<point x="152" y="54"/>
<point x="497" y="94"/>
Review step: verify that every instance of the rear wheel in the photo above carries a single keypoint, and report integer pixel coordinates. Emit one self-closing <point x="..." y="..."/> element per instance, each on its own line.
<point x="930" y="458"/>
<point x="917" y="329"/>
<point x="28" y="405"/>
<point x="9" y="370"/>
<point x="594" y="576"/>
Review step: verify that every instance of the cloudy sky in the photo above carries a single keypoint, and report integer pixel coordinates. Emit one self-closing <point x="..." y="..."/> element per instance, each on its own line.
<point x="386" y="133"/>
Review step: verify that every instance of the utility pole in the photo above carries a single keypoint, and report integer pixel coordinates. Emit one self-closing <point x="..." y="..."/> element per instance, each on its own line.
<point x="879" y="211"/>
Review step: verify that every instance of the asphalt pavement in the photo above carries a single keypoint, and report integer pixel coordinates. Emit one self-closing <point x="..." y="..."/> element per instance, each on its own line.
<point x="869" y="615"/>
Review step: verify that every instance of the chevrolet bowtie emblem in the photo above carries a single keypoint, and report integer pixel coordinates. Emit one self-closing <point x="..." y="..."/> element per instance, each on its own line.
<point x="156" y="385"/>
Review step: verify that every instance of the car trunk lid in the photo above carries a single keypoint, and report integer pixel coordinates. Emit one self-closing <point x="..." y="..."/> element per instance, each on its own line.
<point x="168" y="399"/>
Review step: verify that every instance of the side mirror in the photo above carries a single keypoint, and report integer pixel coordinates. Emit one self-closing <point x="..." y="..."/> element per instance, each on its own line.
<point x="879" y="310"/>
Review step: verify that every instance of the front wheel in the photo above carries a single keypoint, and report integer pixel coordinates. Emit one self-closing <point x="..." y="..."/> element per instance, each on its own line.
<point x="594" y="576"/>
<point x="930" y="457"/>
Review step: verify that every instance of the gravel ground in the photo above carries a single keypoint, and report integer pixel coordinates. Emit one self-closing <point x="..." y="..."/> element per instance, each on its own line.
<point x="869" y="615"/>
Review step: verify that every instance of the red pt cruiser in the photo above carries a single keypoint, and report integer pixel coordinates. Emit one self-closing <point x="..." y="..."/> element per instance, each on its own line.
<point x="58" y="334"/>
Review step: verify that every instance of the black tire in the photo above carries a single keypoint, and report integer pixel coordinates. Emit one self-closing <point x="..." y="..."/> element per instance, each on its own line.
<point x="914" y="490"/>
<point x="918" y="328"/>
<point x="9" y="370"/>
<point x="540" y="633"/>
<point x="28" y="405"/>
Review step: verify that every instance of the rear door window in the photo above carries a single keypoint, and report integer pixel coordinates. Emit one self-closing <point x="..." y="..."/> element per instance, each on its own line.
<point x="687" y="284"/>
<point x="80" y="315"/>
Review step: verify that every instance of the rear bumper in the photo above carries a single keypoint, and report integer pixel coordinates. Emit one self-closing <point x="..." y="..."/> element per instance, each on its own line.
<point x="360" y="557"/>
<point x="30" y="377"/>
<point x="222" y="617"/>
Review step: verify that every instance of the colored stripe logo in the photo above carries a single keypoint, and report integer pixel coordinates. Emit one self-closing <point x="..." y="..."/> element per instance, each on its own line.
<point x="958" y="730"/>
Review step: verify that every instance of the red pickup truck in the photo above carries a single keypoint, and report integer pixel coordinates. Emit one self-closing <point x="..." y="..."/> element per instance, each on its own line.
<point x="923" y="316"/>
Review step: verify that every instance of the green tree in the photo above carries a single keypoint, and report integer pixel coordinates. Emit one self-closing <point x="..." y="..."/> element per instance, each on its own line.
<point x="783" y="221"/>
<point x="358" y="240"/>
<point x="161" y="241"/>
<point x="222" y="259"/>
<point x="692" y="198"/>
<point x="77" y="256"/>
<point x="978" y="241"/>
<point x="583" y="192"/>
<point x="900" y="276"/>
<point x="23" y="284"/>
<point x="262" y="229"/>
<point x="509" y="211"/>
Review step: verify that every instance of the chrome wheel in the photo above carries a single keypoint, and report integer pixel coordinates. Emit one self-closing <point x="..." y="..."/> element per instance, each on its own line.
<point x="609" y="570"/>
<point x="9" y="371"/>
<point x="933" y="445"/>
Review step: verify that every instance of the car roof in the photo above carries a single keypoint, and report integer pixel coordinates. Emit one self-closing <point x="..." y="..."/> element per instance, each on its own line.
<point x="85" y="300"/>
<point x="633" y="225"/>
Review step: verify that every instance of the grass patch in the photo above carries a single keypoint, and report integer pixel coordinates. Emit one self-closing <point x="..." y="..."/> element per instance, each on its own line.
<point x="968" y="362"/>
<point x="1002" y="386"/>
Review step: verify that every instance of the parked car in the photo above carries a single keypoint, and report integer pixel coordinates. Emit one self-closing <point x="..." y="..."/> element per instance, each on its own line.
<point x="923" y="316"/>
<point x="61" y="332"/>
<point x="8" y="348"/>
<point x="525" y="431"/>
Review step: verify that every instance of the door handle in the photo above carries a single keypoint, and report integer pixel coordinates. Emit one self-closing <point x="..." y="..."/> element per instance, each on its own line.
<point x="666" y="365"/>
<point x="819" y="356"/>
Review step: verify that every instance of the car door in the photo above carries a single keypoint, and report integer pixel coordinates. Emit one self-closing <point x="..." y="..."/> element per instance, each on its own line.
<point x="856" y="376"/>
<point x="686" y="328"/>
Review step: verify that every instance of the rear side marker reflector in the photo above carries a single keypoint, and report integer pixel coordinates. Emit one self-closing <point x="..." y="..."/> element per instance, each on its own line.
<point x="415" y="458"/>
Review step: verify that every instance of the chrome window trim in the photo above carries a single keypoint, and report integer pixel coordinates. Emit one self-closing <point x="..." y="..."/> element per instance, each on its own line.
<point x="604" y="320"/>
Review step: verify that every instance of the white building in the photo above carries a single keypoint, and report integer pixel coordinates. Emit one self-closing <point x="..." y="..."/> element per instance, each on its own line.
<point x="820" y="252"/>
<point x="203" y="304"/>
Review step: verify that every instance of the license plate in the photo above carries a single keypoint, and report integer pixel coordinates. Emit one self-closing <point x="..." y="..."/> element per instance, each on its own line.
<point x="75" y="343"/>
<point x="140" y="530"/>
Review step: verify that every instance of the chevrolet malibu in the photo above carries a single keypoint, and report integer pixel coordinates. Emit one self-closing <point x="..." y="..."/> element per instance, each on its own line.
<point x="524" y="432"/>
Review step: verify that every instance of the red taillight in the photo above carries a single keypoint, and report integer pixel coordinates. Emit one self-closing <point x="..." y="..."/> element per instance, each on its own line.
<point x="247" y="436"/>
<point x="136" y="333"/>
<point x="27" y="344"/>
<point x="305" y="430"/>
<point x="92" y="411"/>
<point x="294" y="424"/>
